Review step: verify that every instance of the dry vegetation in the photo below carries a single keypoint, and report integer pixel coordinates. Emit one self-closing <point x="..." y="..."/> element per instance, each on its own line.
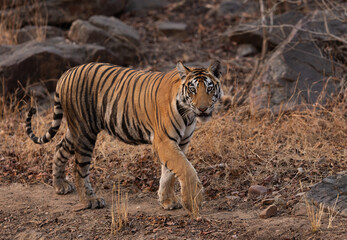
<point x="17" y="14"/>
<point x="232" y="152"/>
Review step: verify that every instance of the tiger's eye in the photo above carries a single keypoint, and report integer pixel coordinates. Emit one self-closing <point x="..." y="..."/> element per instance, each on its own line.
<point x="210" y="89"/>
<point x="192" y="89"/>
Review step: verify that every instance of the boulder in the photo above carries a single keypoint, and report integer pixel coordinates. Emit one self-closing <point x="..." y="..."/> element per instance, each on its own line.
<point x="235" y="8"/>
<point x="31" y="32"/>
<point x="60" y="12"/>
<point x="177" y="29"/>
<point x="282" y="26"/>
<point x="116" y="27"/>
<point x="141" y="6"/>
<point x="331" y="190"/>
<point x="35" y="61"/>
<point x="301" y="72"/>
<point x="246" y="50"/>
<point x="119" y="39"/>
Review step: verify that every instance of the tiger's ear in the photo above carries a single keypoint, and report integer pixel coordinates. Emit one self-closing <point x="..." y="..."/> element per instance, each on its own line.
<point x="183" y="71"/>
<point x="214" y="68"/>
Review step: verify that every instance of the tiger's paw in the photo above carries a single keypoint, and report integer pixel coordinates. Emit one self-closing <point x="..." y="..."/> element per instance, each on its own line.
<point x="170" y="203"/>
<point x="95" y="202"/>
<point x="63" y="187"/>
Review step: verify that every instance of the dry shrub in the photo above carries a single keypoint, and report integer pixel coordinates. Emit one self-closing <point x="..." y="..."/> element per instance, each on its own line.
<point x="18" y="13"/>
<point x="249" y="150"/>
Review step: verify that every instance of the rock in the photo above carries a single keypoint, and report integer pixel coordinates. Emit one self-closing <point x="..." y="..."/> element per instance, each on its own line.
<point x="343" y="213"/>
<point x="29" y="234"/>
<point x="255" y="190"/>
<point x="234" y="8"/>
<point x="33" y="61"/>
<point x="30" y="32"/>
<point x="245" y="50"/>
<point x="314" y="29"/>
<point x="177" y="29"/>
<point x="85" y="32"/>
<point x="268" y="201"/>
<point x="299" y="209"/>
<point x="116" y="27"/>
<point x="328" y="190"/>
<point x="66" y="11"/>
<point x="96" y="53"/>
<point x="141" y="6"/>
<point x="268" y="212"/>
<point x="297" y="76"/>
<point x="301" y="73"/>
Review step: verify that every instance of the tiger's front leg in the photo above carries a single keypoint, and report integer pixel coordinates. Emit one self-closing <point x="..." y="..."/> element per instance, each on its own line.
<point x="176" y="162"/>
<point x="166" y="190"/>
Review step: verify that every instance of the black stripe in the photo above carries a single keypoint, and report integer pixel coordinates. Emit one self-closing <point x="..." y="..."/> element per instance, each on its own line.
<point x="176" y="129"/>
<point x="171" y="138"/>
<point x="82" y="176"/>
<point x="57" y="116"/>
<point x="183" y="144"/>
<point x="82" y="164"/>
<point x="52" y="132"/>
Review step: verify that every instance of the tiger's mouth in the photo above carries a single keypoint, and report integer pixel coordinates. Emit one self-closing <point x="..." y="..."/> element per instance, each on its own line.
<point x="204" y="115"/>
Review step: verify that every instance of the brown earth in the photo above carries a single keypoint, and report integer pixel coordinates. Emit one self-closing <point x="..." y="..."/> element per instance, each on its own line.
<point x="35" y="212"/>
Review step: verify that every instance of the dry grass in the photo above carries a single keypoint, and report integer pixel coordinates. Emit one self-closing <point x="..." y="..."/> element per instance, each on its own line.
<point x="314" y="216"/>
<point x="230" y="153"/>
<point x="119" y="209"/>
<point x="332" y="213"/>
<point x="18" y="13"/>
<point x="241" y="149"/>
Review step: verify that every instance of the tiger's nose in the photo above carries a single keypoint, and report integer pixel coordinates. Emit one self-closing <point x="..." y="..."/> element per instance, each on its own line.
<point x="202" y="109"/>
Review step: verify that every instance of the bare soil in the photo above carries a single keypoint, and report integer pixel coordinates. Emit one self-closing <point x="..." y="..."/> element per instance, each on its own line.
<point x="36" y="212"/>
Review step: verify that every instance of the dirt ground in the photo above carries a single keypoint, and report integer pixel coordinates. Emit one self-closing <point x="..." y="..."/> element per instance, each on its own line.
<point x="36" y="212"/>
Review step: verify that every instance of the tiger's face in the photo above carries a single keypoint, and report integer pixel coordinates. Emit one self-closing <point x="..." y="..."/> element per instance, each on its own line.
<point x="200" y="89"/>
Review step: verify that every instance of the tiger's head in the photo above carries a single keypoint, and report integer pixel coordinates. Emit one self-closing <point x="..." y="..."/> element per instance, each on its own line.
<point x="200" y="89"/>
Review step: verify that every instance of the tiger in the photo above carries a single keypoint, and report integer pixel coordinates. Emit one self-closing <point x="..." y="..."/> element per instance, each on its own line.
<point x="136" y="107"/>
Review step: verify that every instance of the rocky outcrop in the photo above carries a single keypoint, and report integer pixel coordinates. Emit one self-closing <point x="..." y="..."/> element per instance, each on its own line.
<point x="101" y="39"/>
<point x="60" y="12"/>
<point x="41" y="33"/>
<point x="141" y="6"/>
<point x="332" y="190"/>
<point x="119" y="38"/>
<point x="35" y="61"/>
<point x="176" y="29"/>
<point x="299" y="72"/>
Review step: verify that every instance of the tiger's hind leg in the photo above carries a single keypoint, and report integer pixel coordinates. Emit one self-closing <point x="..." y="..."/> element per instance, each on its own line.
<point x="64" y="151"/>
<point x="83" y="154"/>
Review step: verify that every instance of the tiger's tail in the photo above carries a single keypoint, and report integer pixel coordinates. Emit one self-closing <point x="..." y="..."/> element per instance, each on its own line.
<point x="57" y="118"/>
